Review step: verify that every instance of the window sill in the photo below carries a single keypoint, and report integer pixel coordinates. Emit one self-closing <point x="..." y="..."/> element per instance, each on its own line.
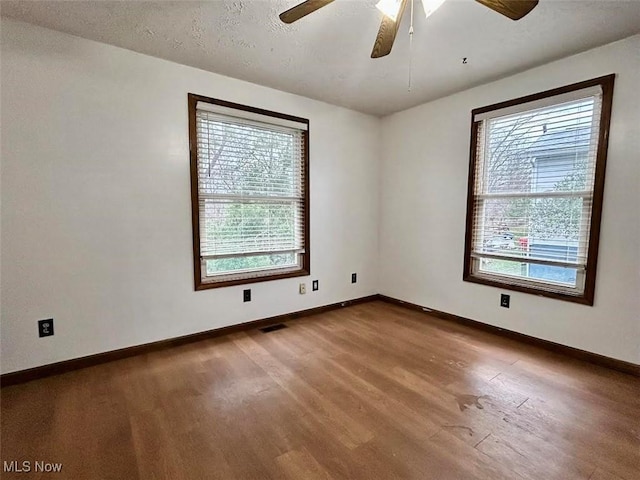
<point x="583" y="299"/>
<point x="200" y="285"/>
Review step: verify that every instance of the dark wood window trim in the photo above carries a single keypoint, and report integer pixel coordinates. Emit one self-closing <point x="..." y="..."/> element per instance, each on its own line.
<point x="587" y="298"/>
<point x="193" y="99"/>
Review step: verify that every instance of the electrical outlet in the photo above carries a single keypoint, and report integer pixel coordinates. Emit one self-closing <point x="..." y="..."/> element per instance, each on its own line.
<point x="303" y="289"/>
<point x="354" y="278"/>
<point x="314" y="285"/>
<point x="504" y="300"/>
<point x="246" y="295"/>
<point x="45" y="327"/>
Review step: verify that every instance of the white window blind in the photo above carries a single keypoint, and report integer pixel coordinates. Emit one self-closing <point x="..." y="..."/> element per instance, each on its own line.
<point x="251" y="194"/>
<point x="533" y="191"/>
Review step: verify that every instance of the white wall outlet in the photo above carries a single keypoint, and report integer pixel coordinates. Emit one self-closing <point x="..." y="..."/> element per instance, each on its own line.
<point x="303" y="289"/>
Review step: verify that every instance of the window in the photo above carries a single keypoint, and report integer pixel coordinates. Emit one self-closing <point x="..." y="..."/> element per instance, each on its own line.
<point x="249" y="193"/>
<point x="536" y="181"/>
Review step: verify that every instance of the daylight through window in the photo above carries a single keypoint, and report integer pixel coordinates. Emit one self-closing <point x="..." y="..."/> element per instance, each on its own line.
<point x="251" y="193"/>
<point x="536" y="190"/>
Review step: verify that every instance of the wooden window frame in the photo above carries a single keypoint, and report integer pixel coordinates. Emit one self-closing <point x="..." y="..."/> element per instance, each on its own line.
<point x="305" y="269"/>
<point x="587" y="297"/>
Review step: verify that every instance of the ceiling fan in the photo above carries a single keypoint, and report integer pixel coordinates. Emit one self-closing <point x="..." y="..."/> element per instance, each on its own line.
<point x="393" y="10"/>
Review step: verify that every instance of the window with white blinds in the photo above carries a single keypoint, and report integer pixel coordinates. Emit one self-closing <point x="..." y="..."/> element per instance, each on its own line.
<point x="535" y="193"/>
<point x="251" y="191"/>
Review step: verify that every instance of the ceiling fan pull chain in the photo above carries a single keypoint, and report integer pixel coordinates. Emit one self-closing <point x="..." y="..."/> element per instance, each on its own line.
<point x="410" y="48"/>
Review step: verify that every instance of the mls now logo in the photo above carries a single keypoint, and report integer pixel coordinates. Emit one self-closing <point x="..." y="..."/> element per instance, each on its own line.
<point x="26" y="466"/>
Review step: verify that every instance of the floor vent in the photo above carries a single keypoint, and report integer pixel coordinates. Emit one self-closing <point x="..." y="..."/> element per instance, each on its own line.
<point x="272" y="328"/>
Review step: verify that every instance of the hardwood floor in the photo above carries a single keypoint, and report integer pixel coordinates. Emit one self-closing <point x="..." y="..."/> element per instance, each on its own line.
<point x="373" y="391"/>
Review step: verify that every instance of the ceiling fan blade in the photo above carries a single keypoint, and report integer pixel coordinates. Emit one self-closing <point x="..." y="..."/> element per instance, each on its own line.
<point x="514" y="9"/>
<point x="302" y="10"/>
<point x="387" y="34"/>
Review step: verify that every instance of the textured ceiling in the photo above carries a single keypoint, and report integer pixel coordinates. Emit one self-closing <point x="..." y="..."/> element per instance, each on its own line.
<point x="326" y="55"/>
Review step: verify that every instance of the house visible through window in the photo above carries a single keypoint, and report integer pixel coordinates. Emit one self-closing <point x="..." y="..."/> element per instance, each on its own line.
<point x="249" y="193"/>
<point x="535" y="191"/>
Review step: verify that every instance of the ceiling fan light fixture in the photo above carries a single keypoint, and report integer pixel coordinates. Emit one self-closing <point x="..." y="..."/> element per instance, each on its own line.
<point x="394" y="9"/>
<point x="431" y="6"/>
<point x="390" y="8"/>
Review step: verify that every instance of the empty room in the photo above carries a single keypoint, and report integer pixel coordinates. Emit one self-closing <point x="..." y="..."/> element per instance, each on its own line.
<point x="350" y="239"/>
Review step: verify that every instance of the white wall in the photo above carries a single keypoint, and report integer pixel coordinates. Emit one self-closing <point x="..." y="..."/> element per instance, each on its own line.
<point x="423" y="208"/>
<point x="95" y="198"/>
<point x="96" y="215"/>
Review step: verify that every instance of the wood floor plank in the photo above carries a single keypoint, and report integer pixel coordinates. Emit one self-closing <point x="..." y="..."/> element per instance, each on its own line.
<point x="348" y="431"/>
<point x="372" y="391"/>
<point x="476" y="464"/>
<point x="534" y="459"/>
<point x="298" y="464"/>
<point x="600" y="474"/>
